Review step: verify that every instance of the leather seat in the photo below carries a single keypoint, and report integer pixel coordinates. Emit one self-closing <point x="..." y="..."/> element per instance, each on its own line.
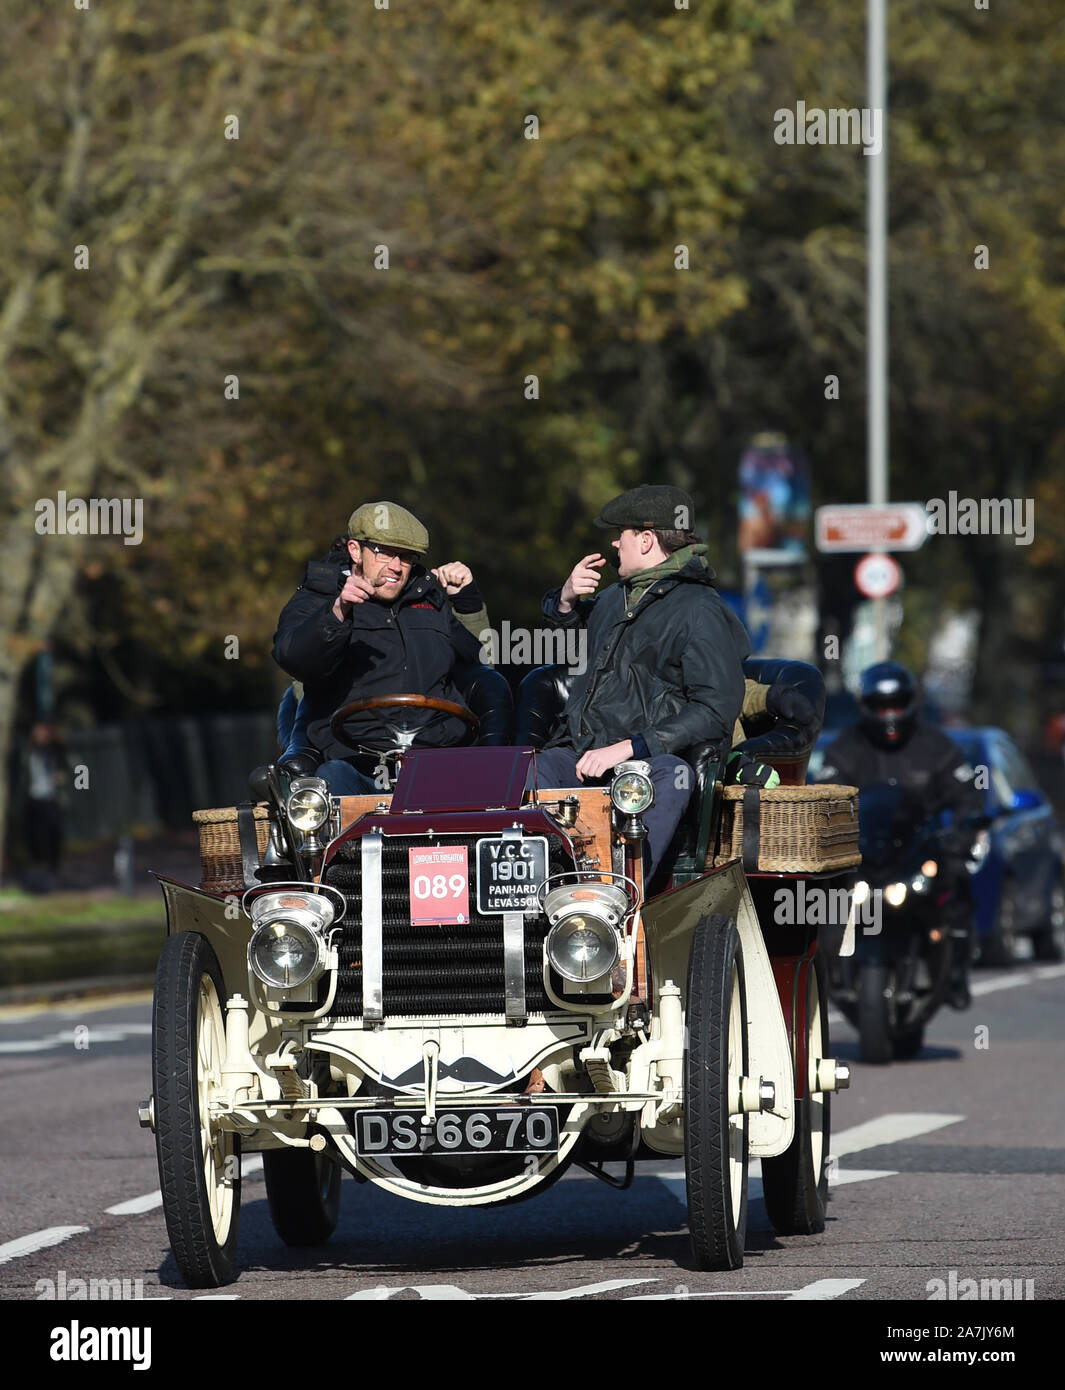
<point x="787" y="747"/>
<point x="485" y="691"/>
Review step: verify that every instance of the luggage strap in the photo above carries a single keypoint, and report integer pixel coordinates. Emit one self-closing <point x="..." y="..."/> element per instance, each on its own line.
<point x="752" y="829"/>
<point x="249" y="843"/>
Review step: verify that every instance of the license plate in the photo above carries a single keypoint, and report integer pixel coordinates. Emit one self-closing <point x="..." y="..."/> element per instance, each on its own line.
<point x="509" y="872"/>
<point x="393" y="1133"/>
<point x="439" y="877"/>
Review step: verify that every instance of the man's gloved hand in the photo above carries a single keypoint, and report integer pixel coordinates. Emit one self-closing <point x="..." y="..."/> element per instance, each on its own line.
<point x="790" y="705"/>
<point x="741" y="768"/>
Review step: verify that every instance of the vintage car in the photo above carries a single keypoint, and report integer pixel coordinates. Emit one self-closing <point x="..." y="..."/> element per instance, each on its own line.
<point x="457" y="988"/>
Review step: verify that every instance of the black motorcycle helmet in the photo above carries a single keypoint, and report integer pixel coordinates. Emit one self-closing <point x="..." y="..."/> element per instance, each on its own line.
<point x="888" y="702"/>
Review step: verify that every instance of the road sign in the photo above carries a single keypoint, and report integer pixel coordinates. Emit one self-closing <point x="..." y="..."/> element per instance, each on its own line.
<point x="877" y="576"/>
<point x="868" y="526"/>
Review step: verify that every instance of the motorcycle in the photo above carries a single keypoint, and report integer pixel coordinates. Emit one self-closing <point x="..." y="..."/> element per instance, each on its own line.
<point x="899" y="973"/>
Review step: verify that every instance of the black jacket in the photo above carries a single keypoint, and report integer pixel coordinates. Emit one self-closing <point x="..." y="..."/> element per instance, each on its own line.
<point x="669" y="668"/>
<point x="412" y="646"/>
<point x="929" y="766"/>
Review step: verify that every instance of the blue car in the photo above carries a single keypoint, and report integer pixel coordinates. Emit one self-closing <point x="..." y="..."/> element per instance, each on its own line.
<point x="1019" y="889"/>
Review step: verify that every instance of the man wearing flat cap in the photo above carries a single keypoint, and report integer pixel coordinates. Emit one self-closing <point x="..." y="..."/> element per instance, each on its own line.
<point x="371" y="620"/>
<point x="664" y="666"/>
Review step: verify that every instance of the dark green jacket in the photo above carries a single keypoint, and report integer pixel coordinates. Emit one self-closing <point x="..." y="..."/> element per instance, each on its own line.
<point x="668" y="667"/>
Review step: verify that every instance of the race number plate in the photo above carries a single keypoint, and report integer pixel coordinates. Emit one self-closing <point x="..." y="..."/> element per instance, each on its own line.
<point x="508" y="873"/>
<point x="439" y="885"/>
<point x="393" y="1133"/>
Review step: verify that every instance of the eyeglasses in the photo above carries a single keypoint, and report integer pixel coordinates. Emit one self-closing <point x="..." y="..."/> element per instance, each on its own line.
<point x="405" y="557"/>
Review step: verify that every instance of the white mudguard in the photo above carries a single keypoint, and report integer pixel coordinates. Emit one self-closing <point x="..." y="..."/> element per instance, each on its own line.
<point x="669" y="923"/>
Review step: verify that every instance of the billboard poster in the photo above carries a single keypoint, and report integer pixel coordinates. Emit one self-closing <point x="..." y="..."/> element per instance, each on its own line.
<point x="774" y="501"/>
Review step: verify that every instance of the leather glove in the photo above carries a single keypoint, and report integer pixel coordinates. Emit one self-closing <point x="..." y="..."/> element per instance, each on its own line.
<point x="741" y="767"/>
<point x="790" y="705"/>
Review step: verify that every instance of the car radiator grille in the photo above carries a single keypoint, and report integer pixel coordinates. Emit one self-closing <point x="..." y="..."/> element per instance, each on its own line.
<point x="431" y="971"/>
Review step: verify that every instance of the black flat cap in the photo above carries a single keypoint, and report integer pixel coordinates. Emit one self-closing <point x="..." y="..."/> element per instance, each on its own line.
<point x="650" y="507"/>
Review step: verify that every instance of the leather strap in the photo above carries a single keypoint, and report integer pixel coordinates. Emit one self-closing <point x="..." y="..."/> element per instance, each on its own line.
<point x="249" y="844"/>
<point x="752" y="828"/>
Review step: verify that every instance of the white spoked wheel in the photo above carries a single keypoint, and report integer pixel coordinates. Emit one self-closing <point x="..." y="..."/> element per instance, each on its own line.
<point x="216" y="1145"/>
<point x="199" y="1161"/>
<point x="715" y="1140"/>
<point x="795" y="1183"/>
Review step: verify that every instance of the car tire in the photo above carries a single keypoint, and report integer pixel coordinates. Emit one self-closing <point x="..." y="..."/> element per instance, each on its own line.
<point x="795" y="1184"/>
<point x="715" y="1142"/>
<point x="874" y="1017"/>
<point x="199" y="1164"/>
<point x="999" y="950"/>
<point x="303" y="1190"/>
<point x="1049" y="943"/>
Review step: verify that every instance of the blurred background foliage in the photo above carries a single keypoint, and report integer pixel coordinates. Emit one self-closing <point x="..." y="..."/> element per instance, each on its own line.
<point x="508" y="258"/>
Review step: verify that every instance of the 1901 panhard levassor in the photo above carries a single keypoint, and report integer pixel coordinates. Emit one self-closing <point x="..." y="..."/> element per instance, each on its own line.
<point x="457" y="988"/>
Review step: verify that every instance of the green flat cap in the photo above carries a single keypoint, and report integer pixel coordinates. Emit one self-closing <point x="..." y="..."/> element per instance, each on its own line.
<point x="650" y="507"/>
<point x="388" y="524"/>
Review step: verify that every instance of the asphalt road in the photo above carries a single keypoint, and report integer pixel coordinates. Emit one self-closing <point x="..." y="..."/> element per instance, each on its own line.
<point x="950" y="1167"/>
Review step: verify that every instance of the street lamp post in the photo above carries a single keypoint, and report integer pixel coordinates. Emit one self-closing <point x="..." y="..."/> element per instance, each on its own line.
<point x="876" y="285"/>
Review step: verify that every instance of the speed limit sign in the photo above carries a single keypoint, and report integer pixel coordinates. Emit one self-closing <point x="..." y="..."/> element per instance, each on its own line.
<point x="877" y="576"/>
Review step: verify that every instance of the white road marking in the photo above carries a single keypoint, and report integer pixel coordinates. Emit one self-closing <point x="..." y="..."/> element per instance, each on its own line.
<point x="81" y="1041"/>
<point x="888" y="1129"/>
<point x="438" y="1292"/>
<point x="845" y="1175"/>
<point x="825" y="1288"/>
<point x="135" y="1206"/>
<point x="676" y="1297"/>
<point x="39" y="1240"/>
<point x="607" y="1286"/>
<point x="1013" y="981"/>
<point x="819" y="1289"/>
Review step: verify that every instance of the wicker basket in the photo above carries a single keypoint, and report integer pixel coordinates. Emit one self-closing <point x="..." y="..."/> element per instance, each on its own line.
<point x="801" y="829"/>
<point x="220" y="857"/>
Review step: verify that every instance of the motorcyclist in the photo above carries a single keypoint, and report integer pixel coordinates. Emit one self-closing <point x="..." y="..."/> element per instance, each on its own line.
<point x="891" y="744"/>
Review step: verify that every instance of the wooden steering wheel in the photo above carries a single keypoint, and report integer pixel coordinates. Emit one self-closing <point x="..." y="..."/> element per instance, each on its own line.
<point x="336" y="724"/>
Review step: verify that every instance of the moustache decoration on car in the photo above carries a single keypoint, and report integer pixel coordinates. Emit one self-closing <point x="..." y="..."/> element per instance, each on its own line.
<point x="468" y="1070"/>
